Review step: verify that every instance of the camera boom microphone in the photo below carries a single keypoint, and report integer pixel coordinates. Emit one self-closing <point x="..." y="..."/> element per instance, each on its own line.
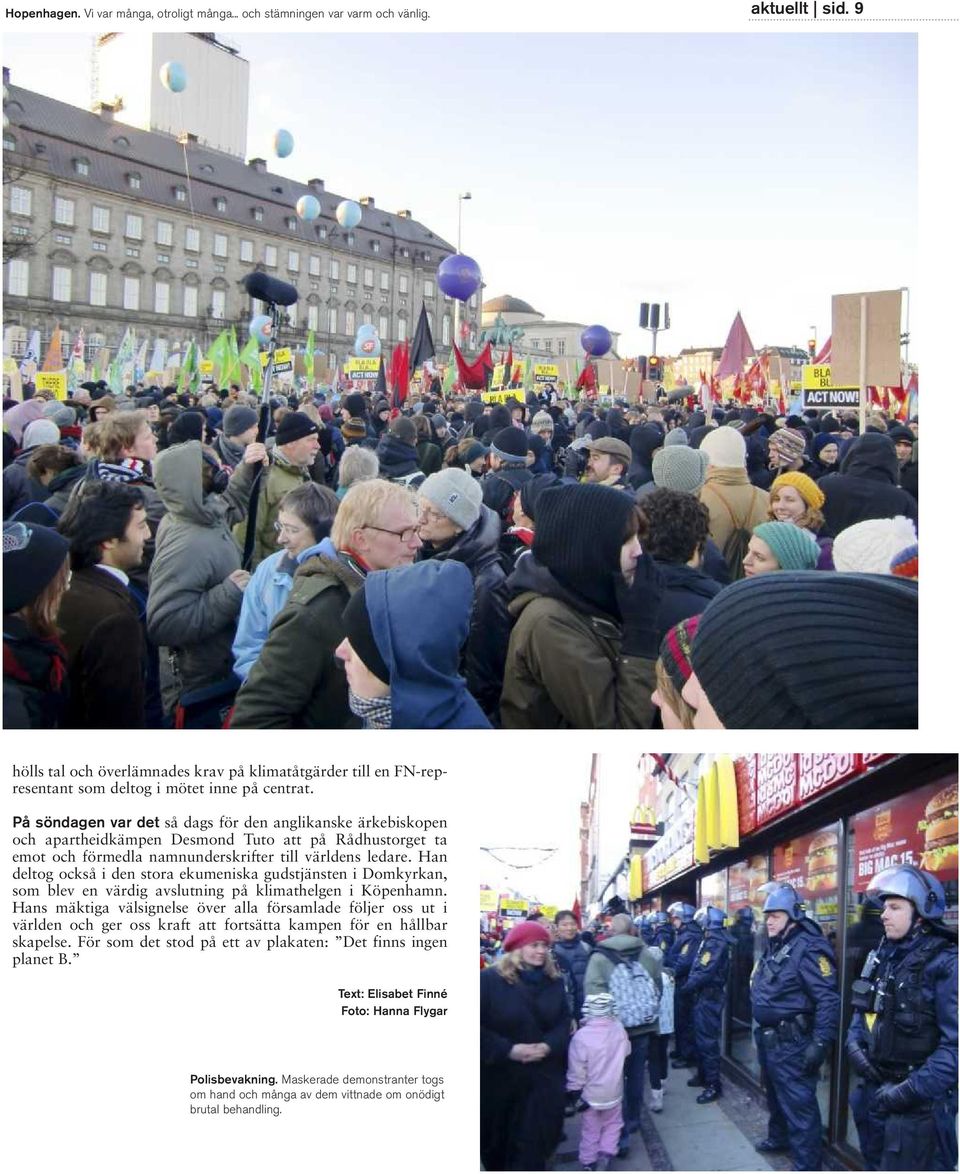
<point x="268" y="289"/>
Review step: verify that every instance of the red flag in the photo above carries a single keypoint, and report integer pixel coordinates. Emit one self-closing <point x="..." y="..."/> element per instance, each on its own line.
<point x="399" y="375"/>
<point x="737" y="349"/>
<point x="576" y="911"/>
<point x="473" y="375"/>
<point x="587" y="379"/>
<point x="823" y="356"/>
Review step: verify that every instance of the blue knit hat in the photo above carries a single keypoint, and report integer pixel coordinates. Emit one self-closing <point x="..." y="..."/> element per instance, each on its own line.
<point x="794" y="548"/>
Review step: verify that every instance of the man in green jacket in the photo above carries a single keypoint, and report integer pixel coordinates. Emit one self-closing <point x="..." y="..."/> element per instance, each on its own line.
<point x="297" y="681"/>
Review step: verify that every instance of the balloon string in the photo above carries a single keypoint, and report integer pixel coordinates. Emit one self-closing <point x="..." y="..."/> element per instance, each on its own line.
<point x="189" y="184"/>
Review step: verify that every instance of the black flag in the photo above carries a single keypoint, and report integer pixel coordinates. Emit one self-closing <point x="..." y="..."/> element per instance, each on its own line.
<point x="380" y="391"/>
<point x="422" y="348"/>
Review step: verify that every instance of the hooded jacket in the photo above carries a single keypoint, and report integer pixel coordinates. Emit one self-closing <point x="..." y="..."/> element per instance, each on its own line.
<point x="398" y="461"/>
<point x="686" y="592"/>
<point x="564" y="669"/>
<point x="866" y="487"/>
<point x="193" y="605"/>
<point x="275" y="483"/>
<point x="421" y="646"/>
<point x="485" y="653"/>
<point x="296" y="682"/>
<point x="265" y="595"/>
<point x="727" y="490"/>
<point x="595" y="1061"/>
<point x="645" y="439"/>
<point x="630" y="948"/>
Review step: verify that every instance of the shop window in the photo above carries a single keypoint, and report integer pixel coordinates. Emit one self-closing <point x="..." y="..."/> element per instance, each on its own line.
<point x="811" y="864"/>
<point x="917" y="828"/>
<point x="745" y="906"/>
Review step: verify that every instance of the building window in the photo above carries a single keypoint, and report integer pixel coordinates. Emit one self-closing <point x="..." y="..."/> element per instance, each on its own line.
<point x="313" y="265"/>
<point x="561" y="346"/>
<point x="293" y="260"/>
<point x="161" y="297"/>
<point x="21" y="200"/>
<point x="20" y="230"/>
<point x="313" y="317"/>
<point x="351" y="239"/>
<point x="322" y="232"/>
<point x="401" y="329"/>
<point x="428" y="289"/>
<point x="473" y="302"/>
<point x="220" y="204"/>
<point x="258" y="215"/>
<point x="270" y="255"/>
<point x="403" y="284"/>
<point x="246" y="250"/>
<point x="332" y="320"/>
<point x="180" y="195"/>
<point x="132" y="252"/>
<point x="63" y="211"/>
<point x="191" y="240"/>
<point x="164" y="232"/>
<point x="367" y="316"/>
<point x="163" y="258"/>
<point x="18" y="277"/>
<point x="98" y="246"/>
<point x="375" y="245"/>
<point x="190" y="301"/>
<point x="445" y="331"/>
<point x="292" y="223"/>
<point x="350" y="322"/>
<point x="133" y="227"/>
<point x="548" y="345"/>
<point x="62" y="281"/>
<point x="133" y="181"/>
<point x="63" y="238"/>
<point x="99" y="219"/>
<point x="384" y="328"/>
<point x="219" y="268"/>
<point x="219" y="244"/>
<point x="98" y="289"/>
<point x="191" y="263"/>
<point x="384" y="282"/>
<point x="334" y="270"/>
<point x="351" y="275"/>
<point x="81" y="166"/>
<point x="292" y="315"/>
<point x="131" y="293"/>
<point x="368" y="278"/>
<point x="218" y="304"/>
<point x="9" y="143"/>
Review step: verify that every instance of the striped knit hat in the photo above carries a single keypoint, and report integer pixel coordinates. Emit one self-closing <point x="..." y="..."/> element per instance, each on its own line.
<point x="675" y="651"/>
<point x="601" y="1006"/>
<point x="859" y="673"/>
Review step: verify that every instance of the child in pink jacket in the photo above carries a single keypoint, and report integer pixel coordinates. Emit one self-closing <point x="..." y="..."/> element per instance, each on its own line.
<point x="595" y="1070"/>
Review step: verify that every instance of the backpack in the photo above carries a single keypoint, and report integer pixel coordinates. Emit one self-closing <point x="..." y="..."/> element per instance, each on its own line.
<point x="735" y="547"/>
<point x="633" y="989"/>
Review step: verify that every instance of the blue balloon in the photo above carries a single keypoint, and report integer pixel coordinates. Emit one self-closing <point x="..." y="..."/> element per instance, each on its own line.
<point x="367" y="344"/>
<point x="173" y="76"/>
<point x="596" y="340"/>
<point x="261" y="328"/>
<point x="283" y="143"/>
<point x="308" y="207"/>
<point x="348" y="214"/>
<point x="459" y="276"/>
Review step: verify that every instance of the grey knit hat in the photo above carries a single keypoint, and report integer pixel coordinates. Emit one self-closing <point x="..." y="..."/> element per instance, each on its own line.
<point x="455" y="493"/>
<point x="60" y="413"/>
<point x="680" y="467"/>
<point x="238" y="419"/>
<point x="542" y="421"/>
<point x="675" y="436"/>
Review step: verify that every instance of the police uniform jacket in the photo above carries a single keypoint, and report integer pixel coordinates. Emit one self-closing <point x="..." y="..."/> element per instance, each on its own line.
<point x="711" y="964"/>
<point x="681" y="954"/>
<point x="797" y="975"/>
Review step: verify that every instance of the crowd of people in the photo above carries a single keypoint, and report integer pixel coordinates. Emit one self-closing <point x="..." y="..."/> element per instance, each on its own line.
<point x="575" y="1021"/>
<point x="539" y="563"/>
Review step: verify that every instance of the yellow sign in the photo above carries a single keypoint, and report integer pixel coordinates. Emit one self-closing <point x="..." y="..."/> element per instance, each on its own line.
<point x="512" y="905"/>
<point x="282" y="360"/>
<point x="498" y="397"/>
<point x="361" y="368"/>
<point x="489" y="899"/>
<point x="206" y="366"/>
<point x="546" y="373"/>
<point x="55" y="381"/>
<point x="549" y="911"/>
<point x="816" y="377"/>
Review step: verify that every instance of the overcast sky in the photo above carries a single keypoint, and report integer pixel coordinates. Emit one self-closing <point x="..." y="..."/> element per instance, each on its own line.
<point x="717" y="172"/>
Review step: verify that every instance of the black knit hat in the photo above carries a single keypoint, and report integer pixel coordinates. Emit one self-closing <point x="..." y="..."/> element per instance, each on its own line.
<point x="530" y="492"/>
<point x="355" y="404"/>
<point x="295" y="426"/>
<point x="187" y="426"/>
<point x="510" y="445"/>
<point x="860" y="673"/>
<point x="579" y="535"/>
<point x="32" y="555"/>
<point x="356" y="625"/>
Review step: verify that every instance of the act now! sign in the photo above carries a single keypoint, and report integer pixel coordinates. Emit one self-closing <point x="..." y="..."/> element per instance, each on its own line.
<point x="820" y="392"/>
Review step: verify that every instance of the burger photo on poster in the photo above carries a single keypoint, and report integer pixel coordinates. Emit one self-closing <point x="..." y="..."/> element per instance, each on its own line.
<point x="939" y="826"/>
<point x="822" y="862"/>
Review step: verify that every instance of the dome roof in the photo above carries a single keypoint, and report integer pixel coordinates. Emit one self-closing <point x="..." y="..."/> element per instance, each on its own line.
<point x="507" y="304"/>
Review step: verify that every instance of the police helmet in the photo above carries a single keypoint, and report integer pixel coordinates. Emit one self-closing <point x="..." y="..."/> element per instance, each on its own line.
<point x="682" y="910"/>
<point x="713" y="918"/>
<point x="700" y="917"/>
<point x="660" y="918"/>
<point x="921" y="888"/>
<point x="782" y="898"/>
<point x="745" y="915"/>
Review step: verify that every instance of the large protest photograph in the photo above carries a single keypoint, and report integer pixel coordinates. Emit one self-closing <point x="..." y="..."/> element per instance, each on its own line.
<point x="739" y="961"/>
<point x="603" y="399"/>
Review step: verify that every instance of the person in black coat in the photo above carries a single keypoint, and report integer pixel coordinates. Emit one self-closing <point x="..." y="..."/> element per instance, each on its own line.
<point x="866" y="487"/>
<point x="455" y="525"/>
<point x="397" y="453"/>
<point x="678" y="527"/>
<point x="571" y="954"/>
<point x="645" y="439"/>
<point x="524" y="1033"/>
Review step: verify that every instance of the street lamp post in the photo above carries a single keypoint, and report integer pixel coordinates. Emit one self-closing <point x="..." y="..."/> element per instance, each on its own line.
<point x="456" y="304"/>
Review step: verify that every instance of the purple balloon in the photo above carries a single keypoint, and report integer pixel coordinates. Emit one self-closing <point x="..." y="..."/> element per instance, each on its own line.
<point x="459" y="277"/>
<point x="596" y="340"/>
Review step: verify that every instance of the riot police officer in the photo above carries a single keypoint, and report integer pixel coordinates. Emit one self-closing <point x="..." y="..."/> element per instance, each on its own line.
<point x="902" y="1040"/>
<point x="663" y="932"/>
<point x="706" y="984"/>
<point x="645" y="927"/>
<point x="679" y="959"/>
<point x="796" y="1004"/>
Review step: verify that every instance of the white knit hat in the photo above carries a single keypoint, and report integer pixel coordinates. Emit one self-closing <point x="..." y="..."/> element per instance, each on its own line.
<point x="725" y="447"/>
<point x="870" y="546"/>
<point x="455" y="493"/>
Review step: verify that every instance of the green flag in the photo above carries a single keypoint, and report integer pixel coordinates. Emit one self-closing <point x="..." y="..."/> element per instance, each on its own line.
<point x="250" y="358"/>
<point x="187" y="366"/>
<point x="219" y="353"/>
<point x="449" y="378"/>
<point x="308" y="356"/>
<point x="233" y="365"/>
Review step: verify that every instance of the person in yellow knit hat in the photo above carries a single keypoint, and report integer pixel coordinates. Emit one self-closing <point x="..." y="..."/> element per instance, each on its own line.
<point x="796" y="498"/>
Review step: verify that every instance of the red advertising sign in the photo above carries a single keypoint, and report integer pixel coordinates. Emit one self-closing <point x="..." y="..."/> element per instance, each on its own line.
<point x="820" y="772"/>
<point x="809" y="863"/>
<point x="743" y="881"/>
<point x="919" y="828"/>
<point x="782" y="782"/>
<point x="776" y="785"/>
<point x="745" y="771"/>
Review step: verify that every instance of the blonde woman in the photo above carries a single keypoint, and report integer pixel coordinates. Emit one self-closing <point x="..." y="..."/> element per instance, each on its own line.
<point x="797" y="498"/>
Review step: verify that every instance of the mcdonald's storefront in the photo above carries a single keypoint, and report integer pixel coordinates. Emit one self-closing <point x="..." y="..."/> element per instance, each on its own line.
<point x="826" y="824"/>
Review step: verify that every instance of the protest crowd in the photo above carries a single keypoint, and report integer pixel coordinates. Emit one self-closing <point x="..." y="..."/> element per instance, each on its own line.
<point x="576" y="1024"/>
<point x="543" y="562"/>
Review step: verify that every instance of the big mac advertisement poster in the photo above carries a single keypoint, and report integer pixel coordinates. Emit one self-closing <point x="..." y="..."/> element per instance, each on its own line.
<point x="919" y="828"/>
<point x="809" y="863"/>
